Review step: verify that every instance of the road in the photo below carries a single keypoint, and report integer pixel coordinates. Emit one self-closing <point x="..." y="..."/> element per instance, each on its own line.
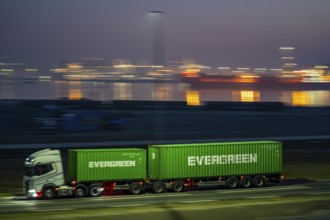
<point x="319" y="190"/>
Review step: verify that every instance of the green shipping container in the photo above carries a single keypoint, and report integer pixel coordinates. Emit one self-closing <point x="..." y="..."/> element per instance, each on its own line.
<point x="214" y="159"/>
<point x="107" y="164"/>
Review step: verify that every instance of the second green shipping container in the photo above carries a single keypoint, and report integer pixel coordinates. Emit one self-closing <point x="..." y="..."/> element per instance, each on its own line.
<point x="214" y="159"/>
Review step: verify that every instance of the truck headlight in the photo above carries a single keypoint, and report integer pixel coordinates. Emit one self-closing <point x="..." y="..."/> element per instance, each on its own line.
<point x="33" y="192"/>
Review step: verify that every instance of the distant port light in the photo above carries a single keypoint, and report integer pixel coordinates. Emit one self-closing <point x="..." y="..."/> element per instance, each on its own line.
<point x="290" y="64"/>
<point x="287" y="48"/>
<point x="7" y="70"/>
<point x="287" y="58"/>
<point x="243" y="68"/>
<point x="193" y="98"/>
<point x="224" y="68"/>
<point x="31" y="70"/>
<point x="321" y="67"/>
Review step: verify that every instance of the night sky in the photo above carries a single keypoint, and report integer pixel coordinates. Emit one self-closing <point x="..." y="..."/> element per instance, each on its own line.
<point x="236" y="33"/>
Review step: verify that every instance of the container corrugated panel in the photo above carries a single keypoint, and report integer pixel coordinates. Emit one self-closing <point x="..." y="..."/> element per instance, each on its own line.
<point x="107" y="164"/>
<point x="214" y="159"/>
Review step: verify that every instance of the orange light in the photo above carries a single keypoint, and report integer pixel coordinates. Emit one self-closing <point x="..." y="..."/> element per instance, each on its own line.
<point x="299" y="98"/>
<point x="193" y="98"/>
<point x="249" y="96"/>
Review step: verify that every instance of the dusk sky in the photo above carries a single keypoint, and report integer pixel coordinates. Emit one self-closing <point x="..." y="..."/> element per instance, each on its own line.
<point x="236" y="33"/>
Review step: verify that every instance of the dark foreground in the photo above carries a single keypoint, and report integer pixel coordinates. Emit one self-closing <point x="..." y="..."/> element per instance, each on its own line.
<point x="186" y="124"/>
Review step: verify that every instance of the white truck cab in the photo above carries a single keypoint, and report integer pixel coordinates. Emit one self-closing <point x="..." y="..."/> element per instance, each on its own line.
<point x="44" y="173"/>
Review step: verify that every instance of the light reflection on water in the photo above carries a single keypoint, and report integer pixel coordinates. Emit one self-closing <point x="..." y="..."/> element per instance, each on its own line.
<point x="108" y="91"/>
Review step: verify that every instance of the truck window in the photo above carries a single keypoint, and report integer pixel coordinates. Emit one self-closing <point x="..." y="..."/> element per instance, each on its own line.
<point x="43" y="169"/>
<point x="38" y="170"/>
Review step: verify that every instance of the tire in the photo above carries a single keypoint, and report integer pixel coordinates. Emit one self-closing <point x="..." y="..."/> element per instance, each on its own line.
<point x="246" y="182"/>
<point x="48" y="193"/>
<point x="232" y="183"/>
<point x="80" y="192"/>
<point x="95" y="191"/>
<point x="159" y="187"/>
<point x="136" y="188"/>
<point x="259" y="181"/>
<point x="178" y="186"/>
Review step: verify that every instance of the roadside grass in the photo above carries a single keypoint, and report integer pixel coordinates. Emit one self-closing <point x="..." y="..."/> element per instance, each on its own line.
<point x="311" y="171"/>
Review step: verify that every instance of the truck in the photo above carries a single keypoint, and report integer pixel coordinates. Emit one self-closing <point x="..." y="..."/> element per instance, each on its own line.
<point x="155" y="168"/>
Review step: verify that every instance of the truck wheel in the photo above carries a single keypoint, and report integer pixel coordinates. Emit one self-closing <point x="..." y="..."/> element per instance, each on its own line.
<point x="159" y="187"/>
<point x="246" y="182"/>
<point x="232" y="182"/>
<point x="178" y="186"/>
<point x="259" y="181"/>
<point x="95" y="191"/>
<point x="48" y="193"/>
<point x="79" y="192"/>
<point x="136" y="188"/>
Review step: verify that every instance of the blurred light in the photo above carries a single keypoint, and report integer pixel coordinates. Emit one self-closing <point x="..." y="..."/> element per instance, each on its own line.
<point x="191" y="73"/>
<point x="299" y="98"/>
<point x="75" y="94"/>
<point x="290" y="64"/>
<point x="223" y="68"/>
<point x="75" y="90"/>
<point x="287" y="58"/>
<point x="123" y="91"/>
<point x="59" y="70"/>
<point x="193" y="98"/>
<point x="45" y="78"/>
<point x="165" y="71"/>
<point x="260" y="69"/>
<point x="7" y="70"/>
<point x="127" y="76"/>
<point x="74" y="66"/>
<point x="31" y="70"/>
<point x="321" y="67"/>
<point x="123" y="66"/>
<point x="249" y="76"/>
<point x="276" y="69"/>
<point x="243" y="68"/>
<point x="12" y="64"/>
<point x="286" y="48"/>
<point x="250" y="96"/>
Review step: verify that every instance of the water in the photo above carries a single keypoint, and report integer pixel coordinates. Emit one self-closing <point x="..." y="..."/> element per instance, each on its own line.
<point x="160" y="91"/>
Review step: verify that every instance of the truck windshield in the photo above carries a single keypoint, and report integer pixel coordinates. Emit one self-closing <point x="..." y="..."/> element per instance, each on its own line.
<point x="38" y="170"/>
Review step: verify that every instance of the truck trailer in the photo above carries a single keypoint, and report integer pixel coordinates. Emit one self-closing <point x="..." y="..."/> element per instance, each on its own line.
<point x="156" y="168"/>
